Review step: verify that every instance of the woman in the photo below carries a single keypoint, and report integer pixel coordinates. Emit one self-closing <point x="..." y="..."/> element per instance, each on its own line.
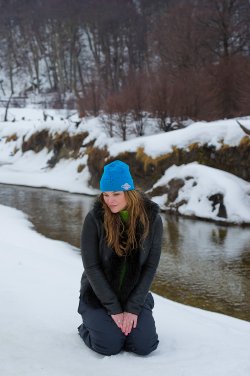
<point x="121" y="245"/>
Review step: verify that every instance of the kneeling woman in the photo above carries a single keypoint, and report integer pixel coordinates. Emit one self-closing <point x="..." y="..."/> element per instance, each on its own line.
<point x="121" y="246"/>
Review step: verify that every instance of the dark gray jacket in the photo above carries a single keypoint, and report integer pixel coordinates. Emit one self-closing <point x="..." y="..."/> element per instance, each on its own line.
<point x="100" y="263"/>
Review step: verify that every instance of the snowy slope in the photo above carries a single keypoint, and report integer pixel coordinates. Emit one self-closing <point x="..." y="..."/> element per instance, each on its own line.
<point x="39" y="296"/>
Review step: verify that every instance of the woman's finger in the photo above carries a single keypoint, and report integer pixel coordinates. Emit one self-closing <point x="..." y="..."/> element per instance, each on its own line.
<point x="132" y="318"/>
<point x="118" y="319"/>
<point x="135" y="322"/>
<point x="127" y="325"/>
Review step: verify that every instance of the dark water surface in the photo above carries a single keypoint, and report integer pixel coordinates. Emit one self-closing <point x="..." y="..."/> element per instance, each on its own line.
<point x="203" y="264"/>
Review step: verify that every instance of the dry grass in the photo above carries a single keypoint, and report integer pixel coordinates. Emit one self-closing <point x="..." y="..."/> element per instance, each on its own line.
<point x="194" y="146"/>
<point x="12" y="137"/>
<point x="96" y="160"/>
<point x="245" y="141"/>
<point x="80" y="168"/>
<point x="37" y="142"/>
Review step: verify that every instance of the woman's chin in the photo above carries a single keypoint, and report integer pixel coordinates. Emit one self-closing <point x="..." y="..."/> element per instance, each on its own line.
<point x="114" y="210"/>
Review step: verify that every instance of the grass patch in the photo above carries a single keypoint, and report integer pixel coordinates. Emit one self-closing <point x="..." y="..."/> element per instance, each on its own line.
<point x="12" y="137"/>
<point x="80" y="168"/>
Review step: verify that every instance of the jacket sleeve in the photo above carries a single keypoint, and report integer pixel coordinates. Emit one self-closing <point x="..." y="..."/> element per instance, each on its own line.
<point x="93" y="268"/>
<point x="138" y="295"/>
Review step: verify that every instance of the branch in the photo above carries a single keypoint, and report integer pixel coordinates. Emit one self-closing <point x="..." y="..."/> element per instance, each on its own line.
<point x="7" y="107"/>
<point x="246" y="130"/>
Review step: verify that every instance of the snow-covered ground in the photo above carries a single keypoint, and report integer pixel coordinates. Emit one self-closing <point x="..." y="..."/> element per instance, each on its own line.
<point x="31" y="168"/>
<point x="200" y="183"/>
<point x="39" y="284"/>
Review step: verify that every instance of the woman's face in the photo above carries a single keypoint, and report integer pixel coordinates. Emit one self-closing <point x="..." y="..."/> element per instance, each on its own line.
<point x="116" y="201"/>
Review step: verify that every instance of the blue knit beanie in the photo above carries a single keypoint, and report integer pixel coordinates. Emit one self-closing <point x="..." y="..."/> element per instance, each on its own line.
<point x="116" y="177"/>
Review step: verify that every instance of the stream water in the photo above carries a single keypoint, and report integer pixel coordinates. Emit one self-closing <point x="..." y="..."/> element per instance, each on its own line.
<point x="203" y="264"/>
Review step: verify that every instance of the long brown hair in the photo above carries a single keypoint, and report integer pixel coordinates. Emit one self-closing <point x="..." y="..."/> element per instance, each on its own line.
<point x="115" y="228"/>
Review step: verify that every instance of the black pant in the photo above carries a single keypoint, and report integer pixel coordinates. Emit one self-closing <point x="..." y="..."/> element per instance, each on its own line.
<point x="101" y="334"/>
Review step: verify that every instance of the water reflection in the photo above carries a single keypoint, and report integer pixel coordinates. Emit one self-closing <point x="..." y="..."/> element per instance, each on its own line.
<point x="58" y="215"/>
<point x="202" y="264"/>
<point x="206" y="265"/>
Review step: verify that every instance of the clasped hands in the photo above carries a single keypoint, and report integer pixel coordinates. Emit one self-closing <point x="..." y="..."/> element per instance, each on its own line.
<point x="125" y="321"/>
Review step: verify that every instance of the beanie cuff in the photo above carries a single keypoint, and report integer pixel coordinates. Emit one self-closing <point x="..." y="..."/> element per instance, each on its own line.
<point x="109" y="186"/>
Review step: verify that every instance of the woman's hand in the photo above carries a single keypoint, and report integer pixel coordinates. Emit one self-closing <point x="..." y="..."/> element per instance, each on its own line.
<point x="129" y="322"/>
<point x="118" y="319"/>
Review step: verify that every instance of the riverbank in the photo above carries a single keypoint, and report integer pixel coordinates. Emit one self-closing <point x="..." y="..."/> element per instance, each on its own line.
<point x="173" y="167"/>
<point x="39" y="296"/>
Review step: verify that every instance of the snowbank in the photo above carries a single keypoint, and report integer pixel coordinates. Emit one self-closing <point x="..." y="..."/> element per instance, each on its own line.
<point x="39" y="296"/>
<point x="200" y="183"/>
<point x="214" y="133"/>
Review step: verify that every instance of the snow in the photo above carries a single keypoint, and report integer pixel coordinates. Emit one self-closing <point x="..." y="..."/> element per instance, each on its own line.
<point x="39" y="287"/>
<point x="212" y="133"/>
<point x="32" y="169"/>
<point x="201" y="182"/>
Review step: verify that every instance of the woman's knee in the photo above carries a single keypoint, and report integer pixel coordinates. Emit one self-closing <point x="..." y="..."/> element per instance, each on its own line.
<point x="104" y="345"/>
<point x="146" y="349"/>
<point x="142" y="347"/>
<point x="104" y="340"/>
<point x="143" y="339"/>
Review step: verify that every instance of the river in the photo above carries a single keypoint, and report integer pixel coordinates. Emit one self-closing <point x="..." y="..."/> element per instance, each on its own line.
<point x="203" y="264"/>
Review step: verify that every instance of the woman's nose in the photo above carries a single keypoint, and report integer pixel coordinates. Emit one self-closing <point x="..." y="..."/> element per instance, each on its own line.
<point x="109" y="200"/>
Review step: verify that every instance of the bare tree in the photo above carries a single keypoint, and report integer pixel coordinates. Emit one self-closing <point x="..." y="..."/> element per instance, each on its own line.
<point x="117" y="106"/>
<point x="195" y="52"/>
<point x="7" y="108"/>
<point x="227" y="41"/>
<point x="136" y="94"/>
